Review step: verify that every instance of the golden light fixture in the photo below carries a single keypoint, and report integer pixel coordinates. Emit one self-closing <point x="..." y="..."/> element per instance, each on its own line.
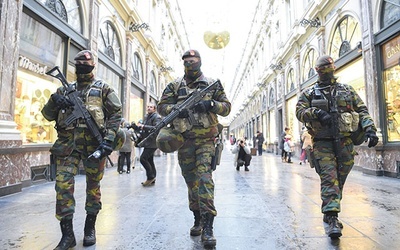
<point x="216" y="40"/>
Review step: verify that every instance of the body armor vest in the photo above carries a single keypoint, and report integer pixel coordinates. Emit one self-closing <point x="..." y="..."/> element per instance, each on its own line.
<point x="204" y="120"/>
<point x="92" y="99"/>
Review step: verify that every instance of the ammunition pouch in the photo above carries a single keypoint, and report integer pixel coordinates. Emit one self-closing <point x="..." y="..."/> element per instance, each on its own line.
<point x="348" y="121"/>
<point x="320" y="103"/>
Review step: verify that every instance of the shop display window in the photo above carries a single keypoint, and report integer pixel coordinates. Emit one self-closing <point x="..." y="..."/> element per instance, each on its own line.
<point x="391" y="83"/>
<point x="391" y="78"/>
<point x="40" y="50"/>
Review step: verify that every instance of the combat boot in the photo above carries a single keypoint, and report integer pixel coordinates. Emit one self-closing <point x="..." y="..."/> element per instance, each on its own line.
<point x="197" y="228"/>
<point x="68" y="238"/>
<point x="334" y="230"/>
<point x="325" y="219"/>
<point x="90" y="232"/>
<point x="207" y="236"/>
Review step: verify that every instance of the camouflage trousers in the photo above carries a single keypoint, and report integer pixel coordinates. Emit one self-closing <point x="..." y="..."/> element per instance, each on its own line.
<point x="195" y="162"/>
<point x="333" y="175"/>
<point x="67" y="168"/>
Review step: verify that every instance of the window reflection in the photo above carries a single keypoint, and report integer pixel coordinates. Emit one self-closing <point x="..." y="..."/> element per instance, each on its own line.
<point x="40" y="49"/>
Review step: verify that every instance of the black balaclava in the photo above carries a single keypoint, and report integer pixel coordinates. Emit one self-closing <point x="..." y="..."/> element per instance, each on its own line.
<point x="84" y="72"/>
<point x="325" y="69"/>
<point x="192" y="70"/>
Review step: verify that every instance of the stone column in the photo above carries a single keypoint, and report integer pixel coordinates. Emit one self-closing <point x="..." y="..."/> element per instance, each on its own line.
<point x="10" y="17"/>
<point x="376" y="163"/>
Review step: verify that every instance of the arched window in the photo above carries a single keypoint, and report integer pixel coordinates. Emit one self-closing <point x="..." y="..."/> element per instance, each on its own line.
<point x="290" y="81"/>
<point x="345" y="37"/>
<point x="109" y="43"/>
<point x="137" y="69"/>
<point x="271" y="97"/>
<point x="152" y="83"/>
<point x="309" y="63"/>
<point x="390" y="12"/>
<point x="67" y="10"/>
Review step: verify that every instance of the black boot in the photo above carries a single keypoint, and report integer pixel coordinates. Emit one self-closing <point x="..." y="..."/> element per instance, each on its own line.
<point x="207" y="236"/>
<point x="90" y="232"/>
<point x="334" y="230"/>
<point x="197" y="228"/>
<point x="68" y="238"/>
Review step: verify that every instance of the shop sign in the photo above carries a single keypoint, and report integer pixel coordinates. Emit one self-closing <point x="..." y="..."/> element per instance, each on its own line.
<point x="391" y="52"/>
<point x="26" y="63"/>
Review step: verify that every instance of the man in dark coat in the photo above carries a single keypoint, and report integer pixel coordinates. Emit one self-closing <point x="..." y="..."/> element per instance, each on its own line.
<point x="147" y="157"/>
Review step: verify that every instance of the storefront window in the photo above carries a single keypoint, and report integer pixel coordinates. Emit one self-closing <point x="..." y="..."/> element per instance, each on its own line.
<point x="353" y="74"/>
<point x="136" y="104"/>
<point x="292" y="121"/>
<point x="40" y="50"/>
<point x="109" y="77"/>
<point x="391" y="81"/>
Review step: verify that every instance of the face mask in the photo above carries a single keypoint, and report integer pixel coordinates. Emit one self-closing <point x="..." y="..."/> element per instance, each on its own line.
<point x="192" y="70"/>
<point x="326" y="75"/>
<point x="83" y="68"/>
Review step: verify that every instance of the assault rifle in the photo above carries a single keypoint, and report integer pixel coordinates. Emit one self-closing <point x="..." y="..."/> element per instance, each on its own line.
<point x="188" y="103"/>
<point x="336" y="139"/>
<point x="79" y="109"/>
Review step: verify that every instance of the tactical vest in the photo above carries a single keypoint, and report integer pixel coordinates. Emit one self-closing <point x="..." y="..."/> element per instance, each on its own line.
<point x="92" y="98"/>
<point x="204" y="120"/>
<point x="347" y="118"/>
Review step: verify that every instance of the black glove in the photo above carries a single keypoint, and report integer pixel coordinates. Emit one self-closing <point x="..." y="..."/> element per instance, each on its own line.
<point x="61" y="101"/>
<point x="184" y="113"/>
<point x="373" y="139"/>
<point x="324" y="117"/>
<point x="202" y="106"/>
<point x="134" y="126"/>
<point x="105" y="148"/>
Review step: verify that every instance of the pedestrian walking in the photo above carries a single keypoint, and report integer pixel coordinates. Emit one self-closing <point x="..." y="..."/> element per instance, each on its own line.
<point x="75" y="143"/>
<point x="282" y="142"/>
<point x="288" y="146"/>
<point x="260" y="141"/>
<point x="197" y="147"/>
<point x="149" y="146"/>
<point x="126" y="150"/>
<point x="305" y="145"/>
<point x="332" y="112"/>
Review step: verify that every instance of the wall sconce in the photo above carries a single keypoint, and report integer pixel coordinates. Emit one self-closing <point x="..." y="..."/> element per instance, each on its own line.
<point x="165" y="69"/>
<point x="359" y="47"/>
<point x="276" y="66"/>
<point x="313" y="23"/>
<point x="135" y="27"/>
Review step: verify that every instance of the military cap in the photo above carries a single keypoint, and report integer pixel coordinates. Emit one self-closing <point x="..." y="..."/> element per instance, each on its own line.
<point x="191" y="53"/>
<point x="323" y="61"/>
<point x="84" y="55"/>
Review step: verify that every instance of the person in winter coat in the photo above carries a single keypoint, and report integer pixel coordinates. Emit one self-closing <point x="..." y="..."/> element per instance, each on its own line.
<point x="242" y="155"/>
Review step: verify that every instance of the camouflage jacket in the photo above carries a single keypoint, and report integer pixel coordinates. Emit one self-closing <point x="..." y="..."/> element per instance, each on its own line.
<point x="109" y="110"/>
<point x="350" y="108"/>
<point x="172" y="95"/>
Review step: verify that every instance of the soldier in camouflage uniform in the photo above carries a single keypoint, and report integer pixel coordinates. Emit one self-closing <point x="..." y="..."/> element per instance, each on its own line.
<point x="332" y="111"/>
<point x="198" y="148"/>
<point x="75" y="143"/>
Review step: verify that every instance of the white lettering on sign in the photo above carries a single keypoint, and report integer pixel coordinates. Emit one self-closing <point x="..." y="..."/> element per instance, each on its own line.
<point x="26" y="63"/>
